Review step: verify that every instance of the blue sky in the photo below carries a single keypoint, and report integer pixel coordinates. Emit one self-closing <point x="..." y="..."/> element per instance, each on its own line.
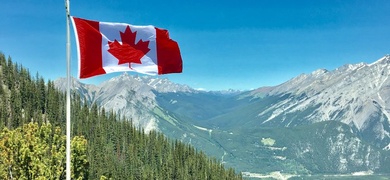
<point x="224" y="44"/>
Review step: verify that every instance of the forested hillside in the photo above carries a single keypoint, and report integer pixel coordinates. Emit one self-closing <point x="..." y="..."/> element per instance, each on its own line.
<point x="114" y="147"/>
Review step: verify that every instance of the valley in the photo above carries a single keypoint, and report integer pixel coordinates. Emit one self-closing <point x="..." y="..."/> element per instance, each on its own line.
<point x="325" y="122"/>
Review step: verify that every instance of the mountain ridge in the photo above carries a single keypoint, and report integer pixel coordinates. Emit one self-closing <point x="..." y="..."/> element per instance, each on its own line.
<point x="355" y="95"/>
<point x="132" y="96"/>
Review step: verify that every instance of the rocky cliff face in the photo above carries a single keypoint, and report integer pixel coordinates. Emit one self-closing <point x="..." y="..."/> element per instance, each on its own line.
<point x="323" y="122"/>
<point x="129" y="96"/>
<point x="357" y="95"/>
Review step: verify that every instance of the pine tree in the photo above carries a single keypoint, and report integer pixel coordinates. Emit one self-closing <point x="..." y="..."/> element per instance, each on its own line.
<point x="106" y="145"/>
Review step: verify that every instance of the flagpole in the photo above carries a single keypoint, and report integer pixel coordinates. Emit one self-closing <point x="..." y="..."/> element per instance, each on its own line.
<point x="68" y="167"/>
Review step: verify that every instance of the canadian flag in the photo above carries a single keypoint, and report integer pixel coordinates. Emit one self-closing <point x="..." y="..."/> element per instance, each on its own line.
<point x="105" y="47"/>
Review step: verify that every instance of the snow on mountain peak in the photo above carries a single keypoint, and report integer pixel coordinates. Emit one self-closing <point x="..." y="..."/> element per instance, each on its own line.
<point x="131" y="96"/>
<point x="352" y="94"/>
<point x="350" y="67"/>
<point x="123" y="76"/>
<point x="162" y="85"/>
<point x="319" y="72"/>
<point x="383" y="61"/>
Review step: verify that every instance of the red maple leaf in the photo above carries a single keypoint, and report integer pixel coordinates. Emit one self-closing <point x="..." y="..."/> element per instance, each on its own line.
<point x="128" y="51"/>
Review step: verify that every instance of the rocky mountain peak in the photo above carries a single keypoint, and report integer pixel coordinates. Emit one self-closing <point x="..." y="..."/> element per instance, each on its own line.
<point x="383" y="61"/>
<point x="342" y="109"/>
<point x="354" y="94"/>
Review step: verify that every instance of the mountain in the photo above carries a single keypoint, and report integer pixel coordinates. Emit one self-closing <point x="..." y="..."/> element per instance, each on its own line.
<point x="129" y="96"/>
<point x="147" y="100"/>
<point x="325" y="122"/>
<point x="357" y="95"/>
<point x="297" y="115"/>
<point x="104" y="145"/>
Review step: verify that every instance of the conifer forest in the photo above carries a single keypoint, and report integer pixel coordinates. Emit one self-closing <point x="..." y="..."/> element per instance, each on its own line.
<point x="104" y="145"/>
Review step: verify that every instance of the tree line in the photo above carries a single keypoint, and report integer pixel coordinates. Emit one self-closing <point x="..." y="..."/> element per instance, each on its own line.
<point x="104" y="145"/>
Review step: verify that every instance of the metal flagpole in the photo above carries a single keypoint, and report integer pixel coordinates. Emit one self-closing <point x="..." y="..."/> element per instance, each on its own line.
<point x="68" y="170"/>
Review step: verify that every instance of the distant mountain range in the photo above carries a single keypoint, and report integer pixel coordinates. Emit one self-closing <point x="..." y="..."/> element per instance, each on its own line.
<point x="325" y="122"/>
